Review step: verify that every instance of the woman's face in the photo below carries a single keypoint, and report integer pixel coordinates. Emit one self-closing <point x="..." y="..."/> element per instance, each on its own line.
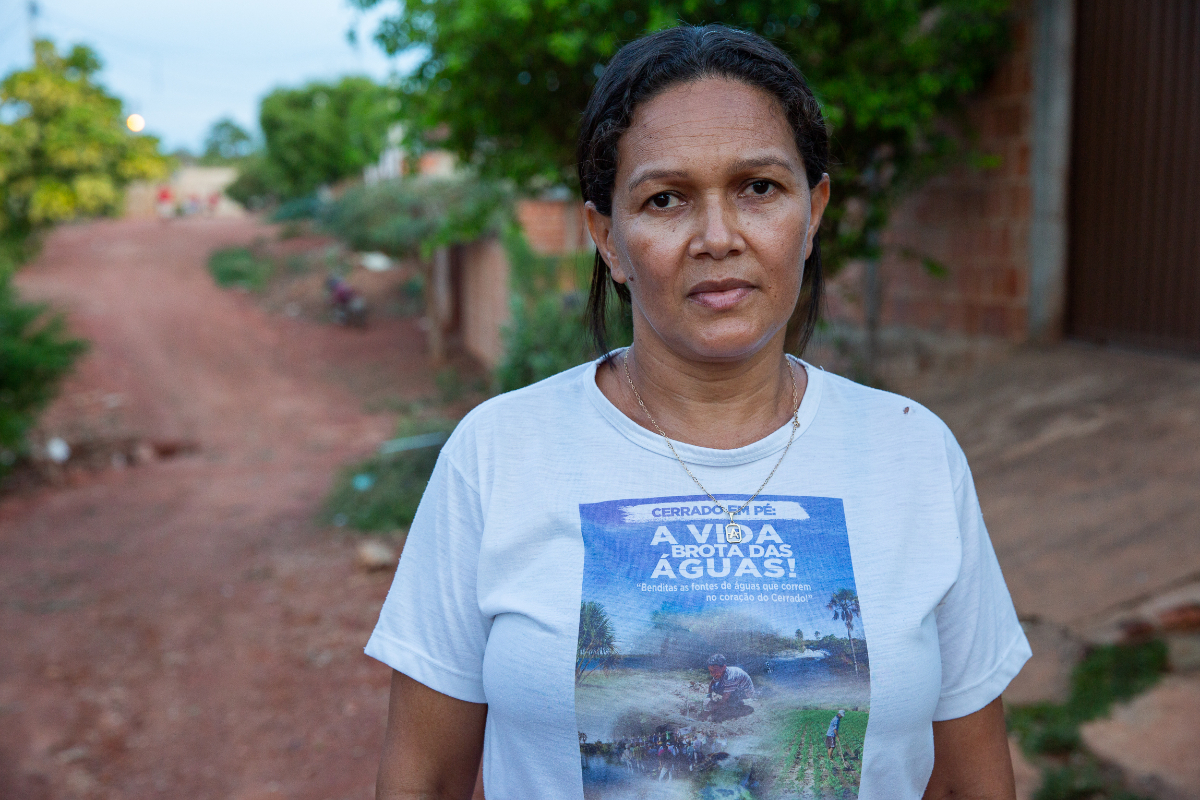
<point x="712" y="219"/>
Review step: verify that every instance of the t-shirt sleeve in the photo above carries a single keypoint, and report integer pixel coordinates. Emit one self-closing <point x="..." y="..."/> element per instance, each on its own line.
<point x="431" y="628"/>
<point x="982" y="644"/>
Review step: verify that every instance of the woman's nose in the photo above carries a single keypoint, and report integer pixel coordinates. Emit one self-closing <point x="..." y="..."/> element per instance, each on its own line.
<point x="718" y="236"/>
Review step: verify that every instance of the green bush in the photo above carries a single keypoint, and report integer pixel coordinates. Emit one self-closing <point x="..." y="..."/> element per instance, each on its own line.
<point x="408" y="217"/>
<point x="238" y="266"/>
<point x="35" y="354"/>
<point x="298" y="208"/>
<point x="381" y="494"/>
<point x="257" y="184"/>
<point x="547" y="335"/>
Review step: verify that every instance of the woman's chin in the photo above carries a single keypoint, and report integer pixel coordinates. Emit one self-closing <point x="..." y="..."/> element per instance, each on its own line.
<point x="726" y="342"/>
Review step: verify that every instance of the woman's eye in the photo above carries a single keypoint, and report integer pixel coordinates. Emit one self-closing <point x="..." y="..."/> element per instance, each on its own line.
<point x="761" y="187"/>
<point x="664" y="200"/>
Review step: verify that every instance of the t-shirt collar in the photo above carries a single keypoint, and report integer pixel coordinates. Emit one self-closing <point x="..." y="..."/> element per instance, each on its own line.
<point x="692" y="454"/>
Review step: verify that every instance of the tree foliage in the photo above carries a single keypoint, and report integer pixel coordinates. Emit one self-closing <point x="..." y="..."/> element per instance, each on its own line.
<point x="413" y="216"/>
<point x="316" y="135"/>
<point x="226" y="142"/>
<point x="64" y="149"/>
<point x="509" y="79"/>
<point x="64" y="153"/>
<point x="545" y="336"/>
<point x="35" y="353"/>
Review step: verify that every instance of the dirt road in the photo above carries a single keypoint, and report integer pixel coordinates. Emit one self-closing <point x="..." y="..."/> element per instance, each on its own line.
<point x="182" y="629"/>
<point x="1087" y="463"/>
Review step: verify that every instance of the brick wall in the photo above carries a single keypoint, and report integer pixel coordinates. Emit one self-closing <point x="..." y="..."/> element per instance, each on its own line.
<point x="973" y="221"/>
<point x="553" y="227"/>
<point x="484" y="302"/>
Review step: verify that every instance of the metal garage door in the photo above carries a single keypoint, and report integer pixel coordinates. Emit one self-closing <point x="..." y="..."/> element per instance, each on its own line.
<point x="1135" y="174"/>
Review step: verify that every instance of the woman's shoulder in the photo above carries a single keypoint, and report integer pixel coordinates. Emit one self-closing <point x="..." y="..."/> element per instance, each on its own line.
<point x="547" y="395"/>
<point x="524" y="413"/>
<point x="883" y="413"/>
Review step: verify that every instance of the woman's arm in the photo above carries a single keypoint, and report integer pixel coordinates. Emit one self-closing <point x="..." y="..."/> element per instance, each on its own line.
<point x="970" y="757"/>
<point x="433" y="744"/>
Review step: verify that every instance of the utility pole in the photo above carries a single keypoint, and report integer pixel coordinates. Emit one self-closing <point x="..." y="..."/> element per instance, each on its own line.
<point x="33" y="11"/>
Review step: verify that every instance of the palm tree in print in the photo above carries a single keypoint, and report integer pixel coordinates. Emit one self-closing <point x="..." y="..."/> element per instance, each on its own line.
<point x="597" y="647"/>
<point x="844" y="605"/>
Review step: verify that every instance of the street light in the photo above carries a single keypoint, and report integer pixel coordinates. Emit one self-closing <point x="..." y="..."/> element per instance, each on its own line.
<point x="135" y="123"/>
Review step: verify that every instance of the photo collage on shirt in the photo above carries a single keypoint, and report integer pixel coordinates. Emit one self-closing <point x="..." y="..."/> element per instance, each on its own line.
<point x="719" y="662"/>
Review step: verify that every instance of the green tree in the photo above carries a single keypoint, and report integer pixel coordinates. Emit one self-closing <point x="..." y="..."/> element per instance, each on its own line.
<point x="509" y="78"/>
<point x="597" y="648"/>
<point x="64" y="150"/>
<point x="412" y="216"/>
<point x="226" y="142"/>
<point x="64" y="153"/>
<point x="844" y="605"/>
<point x="324" y="132"/>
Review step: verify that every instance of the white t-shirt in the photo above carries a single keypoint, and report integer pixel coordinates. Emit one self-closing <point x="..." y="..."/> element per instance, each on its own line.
<point x="565" y="570"/>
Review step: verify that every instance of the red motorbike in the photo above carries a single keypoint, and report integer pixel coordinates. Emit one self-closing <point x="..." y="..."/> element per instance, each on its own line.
<point x="347" y="305"/>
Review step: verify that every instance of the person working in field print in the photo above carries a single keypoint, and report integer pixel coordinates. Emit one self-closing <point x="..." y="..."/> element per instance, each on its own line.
<point x="728" y="691"/>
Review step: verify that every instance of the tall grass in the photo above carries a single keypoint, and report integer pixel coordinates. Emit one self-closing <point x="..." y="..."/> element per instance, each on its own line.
<point x="239" y="267"/>
<point x="381" y="494"/>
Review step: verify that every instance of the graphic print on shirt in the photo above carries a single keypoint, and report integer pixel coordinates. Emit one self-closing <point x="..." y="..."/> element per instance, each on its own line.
<point x="709" y="668"/>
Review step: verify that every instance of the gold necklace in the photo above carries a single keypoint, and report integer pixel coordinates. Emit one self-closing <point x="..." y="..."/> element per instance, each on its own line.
<point x="733" y="531"/>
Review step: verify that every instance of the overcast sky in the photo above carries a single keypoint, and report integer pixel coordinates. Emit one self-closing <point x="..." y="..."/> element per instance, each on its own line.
<point x="183" y="65"/>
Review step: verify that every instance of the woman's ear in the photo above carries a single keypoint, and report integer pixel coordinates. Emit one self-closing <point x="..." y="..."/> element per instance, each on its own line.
<point x="601" y="230"/>
<point x="819" y="199"/>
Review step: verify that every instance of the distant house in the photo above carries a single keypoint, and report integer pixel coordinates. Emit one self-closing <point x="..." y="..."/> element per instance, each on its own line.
<point x="192" y="190"/>
<point x="395" y="161"/>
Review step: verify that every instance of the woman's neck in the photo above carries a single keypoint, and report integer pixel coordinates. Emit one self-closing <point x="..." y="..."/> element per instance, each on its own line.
<point x="721" y="405"/>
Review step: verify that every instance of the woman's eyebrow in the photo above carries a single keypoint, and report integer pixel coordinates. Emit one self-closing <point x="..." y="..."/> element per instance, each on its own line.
<point x="739" y="166"/>
<point x="653" y="175"/>
<point x="751" y="164"/>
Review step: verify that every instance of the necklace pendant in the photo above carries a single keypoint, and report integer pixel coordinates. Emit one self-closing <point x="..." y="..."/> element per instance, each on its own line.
<point x="734" y="533"/>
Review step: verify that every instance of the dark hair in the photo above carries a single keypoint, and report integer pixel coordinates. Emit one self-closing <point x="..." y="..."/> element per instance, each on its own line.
<point x="645" y="68"/>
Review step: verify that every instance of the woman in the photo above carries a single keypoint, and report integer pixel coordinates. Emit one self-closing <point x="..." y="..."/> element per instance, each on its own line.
<point x="585" y="544"/>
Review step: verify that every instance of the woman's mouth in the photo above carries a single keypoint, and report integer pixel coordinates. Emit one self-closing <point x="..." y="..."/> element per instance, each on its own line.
<point x="720" y="295"/>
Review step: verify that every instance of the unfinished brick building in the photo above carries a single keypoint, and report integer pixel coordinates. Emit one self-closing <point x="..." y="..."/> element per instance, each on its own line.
<point x="1087" y="226"/>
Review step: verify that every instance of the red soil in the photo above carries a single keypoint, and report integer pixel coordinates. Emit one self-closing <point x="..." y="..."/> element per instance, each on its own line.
<point x="183" y="628"/>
